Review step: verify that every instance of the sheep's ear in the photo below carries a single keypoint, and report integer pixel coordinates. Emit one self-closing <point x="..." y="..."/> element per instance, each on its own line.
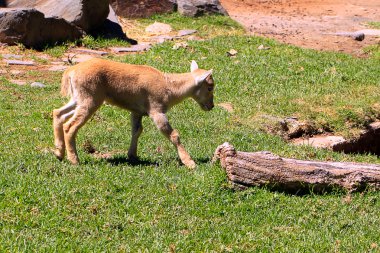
<point x="194" y="66"/>
<point x="203" y="77"/>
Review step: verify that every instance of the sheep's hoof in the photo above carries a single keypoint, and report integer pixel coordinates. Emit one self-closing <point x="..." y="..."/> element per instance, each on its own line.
<point x="73" y="160"/>
<point x="133" y="158"/>
<point x="59" y="154"/>
<point x="190" y="164"/>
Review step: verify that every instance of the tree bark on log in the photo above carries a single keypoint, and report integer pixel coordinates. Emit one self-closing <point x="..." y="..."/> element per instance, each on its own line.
<point x="266" y="169"/>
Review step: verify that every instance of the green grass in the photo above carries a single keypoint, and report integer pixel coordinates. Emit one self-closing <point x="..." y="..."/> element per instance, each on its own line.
<point x="57" y="51"/>
<point x="207" y="26"/>
<point x="374" y="50"/>
<point x="87" y="41"/>
<point x="335" y="91"/>
<point x="158" y="205"/>
<point x="98" y="43"/>
<point x="374" y="24"/>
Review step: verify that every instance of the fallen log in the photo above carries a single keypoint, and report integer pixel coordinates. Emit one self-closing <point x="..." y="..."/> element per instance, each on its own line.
<point x="266" y="169"/>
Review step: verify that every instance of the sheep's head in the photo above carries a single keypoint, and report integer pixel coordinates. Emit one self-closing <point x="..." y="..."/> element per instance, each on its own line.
<point x="204" y="91"/>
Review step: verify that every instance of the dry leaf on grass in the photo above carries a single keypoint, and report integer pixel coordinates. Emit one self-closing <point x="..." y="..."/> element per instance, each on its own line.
<point x="232" y="53"/>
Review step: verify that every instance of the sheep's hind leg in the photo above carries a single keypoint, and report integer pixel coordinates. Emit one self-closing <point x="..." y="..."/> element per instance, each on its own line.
<point x="81" y="116"/>
<point x="60" y="116"/>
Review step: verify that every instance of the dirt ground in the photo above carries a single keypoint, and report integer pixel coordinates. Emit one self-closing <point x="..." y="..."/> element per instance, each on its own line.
<point x="309" y="23"/>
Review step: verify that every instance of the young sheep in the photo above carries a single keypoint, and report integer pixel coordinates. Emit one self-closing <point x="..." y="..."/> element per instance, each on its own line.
<point x="143" y="90"/>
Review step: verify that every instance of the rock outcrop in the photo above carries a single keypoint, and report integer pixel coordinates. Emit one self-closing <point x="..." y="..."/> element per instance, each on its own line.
<point x="86" y="14"/>
<point x="31" y="28"/>
<point x="146" y="8"/>
<point x="141" y="8"/>
<point x="194" y="8"/>
<point x="111" y="29"/>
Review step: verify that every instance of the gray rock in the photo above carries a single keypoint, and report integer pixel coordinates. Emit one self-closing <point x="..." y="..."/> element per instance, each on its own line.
<point x="134" y="48"/>
<point x="11" y="56"/>
<point x="90" y="51"/>
<point x="86" y="14"/>
<point x="141" y="8"/>
<point x="359" y="36"/>
<point x="182" y="33"/>
<point x="111" y="29"/>
<point x="162" y="38"/>
<point x="31" y="28"/>
<point x="37" y="85"/>
<point x="112" y="15"/>
<point x="194" y="8"/>
<point x="370" y="32"/>
<point x="17" y="62"/>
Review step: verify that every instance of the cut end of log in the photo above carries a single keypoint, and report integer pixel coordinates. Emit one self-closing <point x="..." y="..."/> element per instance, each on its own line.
<point x="223" y="149"/>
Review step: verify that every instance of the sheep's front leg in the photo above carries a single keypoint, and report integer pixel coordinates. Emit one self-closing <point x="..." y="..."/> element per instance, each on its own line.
<point x="136" y="132"/>
<point x="163" y="125"/>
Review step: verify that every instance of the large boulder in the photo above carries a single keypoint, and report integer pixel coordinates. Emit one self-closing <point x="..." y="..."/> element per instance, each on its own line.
<point x="141" y="8"/>
<point x="194" y="8"/>
<point x="31" y="28"/>
<point x="111" y="29"/>
<point x="87" y="14"/>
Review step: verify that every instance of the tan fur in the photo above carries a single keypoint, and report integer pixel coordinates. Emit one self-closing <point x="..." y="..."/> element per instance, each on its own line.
<point x="65" y="85"/>
<point x="141" y="89"/>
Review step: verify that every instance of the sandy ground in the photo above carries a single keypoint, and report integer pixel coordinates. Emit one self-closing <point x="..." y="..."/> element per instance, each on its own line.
<point x="307" y="23"/>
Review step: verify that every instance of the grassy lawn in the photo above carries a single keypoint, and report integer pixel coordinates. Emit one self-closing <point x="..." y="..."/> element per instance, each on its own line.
<point x="374" y="24"/>
<point x="160" y="206"/>
<point x="207" y="26"/>
<point x="374" y="50"/>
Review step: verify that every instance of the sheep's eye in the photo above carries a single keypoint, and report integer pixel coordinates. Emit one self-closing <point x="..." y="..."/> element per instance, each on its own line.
<point x="210" y="88"/>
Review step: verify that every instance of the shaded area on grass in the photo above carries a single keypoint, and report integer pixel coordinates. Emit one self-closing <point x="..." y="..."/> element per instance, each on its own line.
<point x="124" y="160"/>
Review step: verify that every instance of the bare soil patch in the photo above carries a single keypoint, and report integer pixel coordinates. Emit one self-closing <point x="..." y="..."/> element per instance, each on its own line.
<point x="307" y="23"/>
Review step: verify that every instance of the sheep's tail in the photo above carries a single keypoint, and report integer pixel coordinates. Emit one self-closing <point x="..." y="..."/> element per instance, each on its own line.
<point x="66" y="86"/>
